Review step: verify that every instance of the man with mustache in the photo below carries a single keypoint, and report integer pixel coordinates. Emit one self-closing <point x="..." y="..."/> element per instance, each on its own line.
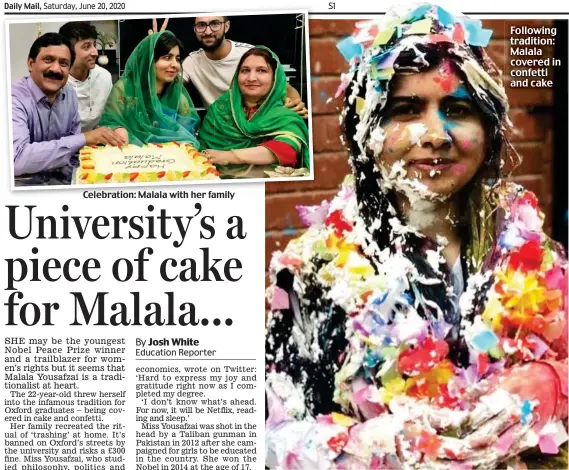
<point x="45" y="117"/>
<point x="91" y="82"/>
<point x="211" y="68"/>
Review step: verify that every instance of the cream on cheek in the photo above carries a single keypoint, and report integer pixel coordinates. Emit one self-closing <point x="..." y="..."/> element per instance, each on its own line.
<point x="399" y="138"/>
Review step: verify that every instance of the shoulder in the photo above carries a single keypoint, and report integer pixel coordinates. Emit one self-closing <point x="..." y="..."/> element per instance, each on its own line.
<point x="331" y="233"/>
<point x="194" y="56"/>
<point x="20" y="89"/>
<point x="241" y="46"/>
<point x="100" y="73"/>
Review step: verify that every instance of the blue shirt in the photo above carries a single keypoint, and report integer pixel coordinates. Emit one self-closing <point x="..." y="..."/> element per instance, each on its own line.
<point x="45" y="136"/>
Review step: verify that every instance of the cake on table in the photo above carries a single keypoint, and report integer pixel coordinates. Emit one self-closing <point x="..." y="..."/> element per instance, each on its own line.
<point x="170" y="161"/>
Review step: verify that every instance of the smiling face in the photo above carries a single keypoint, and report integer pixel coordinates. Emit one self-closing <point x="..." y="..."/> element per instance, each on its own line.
<point x="168" y="66"/>
<point x="85" y="53"/>
<point x="255" y="78"/>
<point x="210" y="31"/>
<point x="50" y="69"/>
<point x="432" y="129"/>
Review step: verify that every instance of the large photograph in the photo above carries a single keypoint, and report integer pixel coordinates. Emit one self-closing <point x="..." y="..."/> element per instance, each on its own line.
<point x="417" y="289"/>
<point x="160" y="100"/>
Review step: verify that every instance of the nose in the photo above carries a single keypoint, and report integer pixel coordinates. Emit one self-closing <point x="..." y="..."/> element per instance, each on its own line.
<point x="438" y="127"/>
<point x="56" y="67"/>
<point x="94" y="51"/>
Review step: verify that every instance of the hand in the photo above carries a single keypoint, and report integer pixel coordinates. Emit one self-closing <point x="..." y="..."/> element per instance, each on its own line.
<point x="155" y="26"/>
<point x="298" y="106"/>
<point x="497" y="428"/>
<point x="123" y="133"/>
<point x="221" y="157"/>
<point x="103" y="135"/>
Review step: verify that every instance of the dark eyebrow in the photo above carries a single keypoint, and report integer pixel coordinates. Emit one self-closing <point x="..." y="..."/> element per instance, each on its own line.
<point x="397" y="100"/>
<point x="456" y="99"/>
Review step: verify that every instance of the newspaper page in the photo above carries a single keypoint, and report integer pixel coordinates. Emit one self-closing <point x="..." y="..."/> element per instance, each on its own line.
<point x="405" y="165"/>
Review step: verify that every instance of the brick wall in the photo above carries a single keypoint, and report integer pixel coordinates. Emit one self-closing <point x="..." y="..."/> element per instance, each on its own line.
<point x="533" y="139"/>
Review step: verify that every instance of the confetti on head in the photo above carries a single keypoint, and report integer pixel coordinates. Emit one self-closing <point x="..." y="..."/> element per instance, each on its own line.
<point x="412" y="40"/>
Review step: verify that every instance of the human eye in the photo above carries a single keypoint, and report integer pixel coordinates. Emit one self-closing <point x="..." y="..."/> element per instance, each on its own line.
<point x="48" y="59"/>
<point x="215" y="23"/>
<point x="403" y="110"/>
<point x="458" y="109"/>
<point x="64" y="63"/>
<point x="201" y="25"/>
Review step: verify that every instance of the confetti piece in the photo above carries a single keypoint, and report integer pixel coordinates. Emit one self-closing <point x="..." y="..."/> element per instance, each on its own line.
<point x="445" y="18"/>
<point x="280" y="299"/>
<point x="505" y="441"/>
<point x="420" y="27"/>
<point x="342" y="420"/>
<point x="349" y="49"/>
<point x="383" y="37"/>
<point x="337" y="443"/>
<point x="526" y="412"/>
<point x="429" y="444"/>
<point x="419" y="12"/>
<point x="485" y="340"/>
<point x="360" y="103"/>
<point x="458" y="34"/>
<point x="434" y="38"/>
<point x="539" y="347"/>
<point x="383" y="74"/>
<point x="475" y="34"/>
<point x="547" y="444"/>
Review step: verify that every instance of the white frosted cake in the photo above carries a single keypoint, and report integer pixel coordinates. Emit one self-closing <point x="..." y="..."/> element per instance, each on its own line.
<point x="153" y="162"/>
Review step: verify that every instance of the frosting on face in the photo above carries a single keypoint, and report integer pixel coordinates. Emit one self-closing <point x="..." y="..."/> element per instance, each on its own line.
<point x="432" y="111"/>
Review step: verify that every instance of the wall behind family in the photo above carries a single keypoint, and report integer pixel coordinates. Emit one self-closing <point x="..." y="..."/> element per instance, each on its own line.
<point x="22" y="36"/>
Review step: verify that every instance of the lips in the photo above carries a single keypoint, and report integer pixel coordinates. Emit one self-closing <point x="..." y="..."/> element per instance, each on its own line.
<point x="428" y="164"/>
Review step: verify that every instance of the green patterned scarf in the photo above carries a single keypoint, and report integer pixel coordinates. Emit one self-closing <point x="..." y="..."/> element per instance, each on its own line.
<point x="226" y="127"/>
<point x="135" y="105"/>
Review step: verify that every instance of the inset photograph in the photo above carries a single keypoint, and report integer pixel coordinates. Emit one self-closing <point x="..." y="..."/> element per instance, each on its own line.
<point x="207" y="98"/>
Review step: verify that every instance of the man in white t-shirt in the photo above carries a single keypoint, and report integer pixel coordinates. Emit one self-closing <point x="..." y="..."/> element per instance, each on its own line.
<point x="211" y="68"/>
<point x="91" y="82"/>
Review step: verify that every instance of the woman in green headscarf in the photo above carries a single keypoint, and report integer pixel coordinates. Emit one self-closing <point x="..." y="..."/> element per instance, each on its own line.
<point x="149" y="102"/>
<point x="248" y="128"/>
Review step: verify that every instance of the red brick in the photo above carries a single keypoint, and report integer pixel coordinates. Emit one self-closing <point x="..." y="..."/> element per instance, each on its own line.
<point x="533" y="159"/>
<point x="325" y="59"/>
<point x="529" y="126"/>
<point x="326" y="133"/>
<point x="280" y="209"/>
<point x="324" y="88"/>
<point x="522" y="97"/>
<point x="329" y="171"/>
<point x="331" y="27"/>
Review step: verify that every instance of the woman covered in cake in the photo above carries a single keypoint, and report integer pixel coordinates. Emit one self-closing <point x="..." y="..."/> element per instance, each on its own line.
<point x="421" y="321"/>
<point x="248" y="128"/>
<point x="149" y="103"/>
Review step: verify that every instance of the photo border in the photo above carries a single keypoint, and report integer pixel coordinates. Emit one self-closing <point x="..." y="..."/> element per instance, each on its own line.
<point x="163" y="184"/>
